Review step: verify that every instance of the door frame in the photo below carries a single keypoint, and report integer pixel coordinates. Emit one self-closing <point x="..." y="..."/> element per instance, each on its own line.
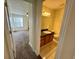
<point x="7" y="34"/>
<point x="69" y="4"/>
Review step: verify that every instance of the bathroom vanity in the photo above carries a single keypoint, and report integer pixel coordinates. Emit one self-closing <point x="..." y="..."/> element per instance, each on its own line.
<point x="46" y="37"/>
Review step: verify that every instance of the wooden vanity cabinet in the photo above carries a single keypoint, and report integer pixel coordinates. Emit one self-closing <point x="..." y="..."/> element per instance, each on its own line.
<point x="46" y="38"/>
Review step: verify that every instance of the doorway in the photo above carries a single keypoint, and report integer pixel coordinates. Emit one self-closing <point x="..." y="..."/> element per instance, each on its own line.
<point x="51" y="22"/>
<point x="20" y="24"/>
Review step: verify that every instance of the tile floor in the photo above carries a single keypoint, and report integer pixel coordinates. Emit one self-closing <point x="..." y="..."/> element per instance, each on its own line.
<point x="48" y="51"/>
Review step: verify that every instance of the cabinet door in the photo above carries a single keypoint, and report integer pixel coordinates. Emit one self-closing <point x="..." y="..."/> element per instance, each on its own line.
<point x="50" y="37"/>
<point x="42" y="41"/>
<point x="47" y="39"/>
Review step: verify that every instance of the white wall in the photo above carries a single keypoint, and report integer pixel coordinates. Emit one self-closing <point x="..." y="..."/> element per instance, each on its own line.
<point x="6" y="50"/>
<point x="37" y="6"/>
<point x="47" y="22"/>
<point x="66" y="47"/>
<point x="58" y="18"/>
<point x="18" y="7"/>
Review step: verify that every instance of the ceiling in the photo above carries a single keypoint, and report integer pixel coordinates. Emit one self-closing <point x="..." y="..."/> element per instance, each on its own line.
<point x="54" y="4"/>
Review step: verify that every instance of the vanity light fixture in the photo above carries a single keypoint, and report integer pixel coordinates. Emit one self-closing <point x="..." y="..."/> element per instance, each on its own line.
<point x="46" y="13"/>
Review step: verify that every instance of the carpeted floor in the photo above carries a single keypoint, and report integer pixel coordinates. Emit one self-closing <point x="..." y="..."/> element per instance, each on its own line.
<point x="23" y="49"/>
<point x="25" y="52"/>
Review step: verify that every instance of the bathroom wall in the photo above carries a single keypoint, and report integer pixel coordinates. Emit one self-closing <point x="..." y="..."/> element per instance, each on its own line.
<point x="47" y="21"/>
<point x="68" y="40"/>
<point x="58" y="17"/>
<point x="54" y="21"/>
<point x="68" y="47"/>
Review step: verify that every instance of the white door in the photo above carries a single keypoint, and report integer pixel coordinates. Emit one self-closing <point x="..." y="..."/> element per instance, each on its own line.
<point x="7" y="32"/>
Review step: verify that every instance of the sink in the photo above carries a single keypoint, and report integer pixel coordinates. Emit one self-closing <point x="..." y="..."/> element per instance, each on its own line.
<point x="47" y="32"/>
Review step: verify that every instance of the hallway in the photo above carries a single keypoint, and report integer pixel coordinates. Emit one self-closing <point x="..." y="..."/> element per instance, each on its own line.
<point x="20" y="37"/>
<point x="23" y="49"/>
